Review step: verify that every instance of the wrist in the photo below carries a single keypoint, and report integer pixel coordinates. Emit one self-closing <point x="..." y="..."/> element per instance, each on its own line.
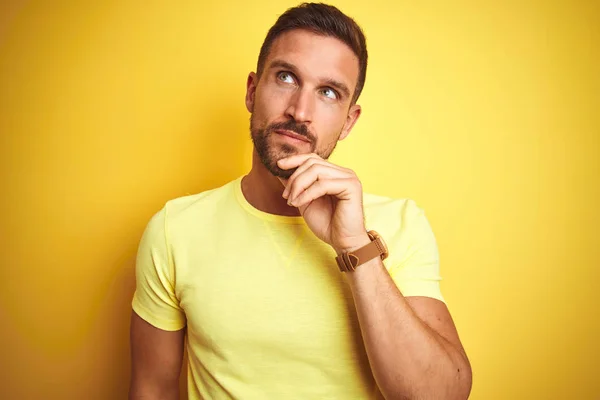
<point x="354" y="244"/>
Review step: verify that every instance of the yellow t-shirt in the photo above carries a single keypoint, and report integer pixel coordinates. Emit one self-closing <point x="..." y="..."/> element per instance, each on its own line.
<point x="268" y="313"/>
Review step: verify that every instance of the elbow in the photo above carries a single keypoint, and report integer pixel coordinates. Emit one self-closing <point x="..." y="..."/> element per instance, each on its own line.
<point x="461" y="381"/>
<point x="452" y="386"/>
<point x="464" y="381"/>
<point x="458" y="384"/>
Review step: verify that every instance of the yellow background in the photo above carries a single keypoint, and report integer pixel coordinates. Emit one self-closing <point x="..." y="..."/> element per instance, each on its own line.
<point x="485" y="113"/>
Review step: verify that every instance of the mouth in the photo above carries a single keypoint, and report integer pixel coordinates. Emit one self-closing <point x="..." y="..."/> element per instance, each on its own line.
<point x="292" y="135"/>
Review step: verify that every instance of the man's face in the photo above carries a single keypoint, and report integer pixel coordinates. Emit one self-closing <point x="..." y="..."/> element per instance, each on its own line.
<point x="305" y="90"/>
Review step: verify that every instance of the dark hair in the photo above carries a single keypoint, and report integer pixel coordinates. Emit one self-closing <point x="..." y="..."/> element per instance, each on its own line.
<point x="325" y="20"/>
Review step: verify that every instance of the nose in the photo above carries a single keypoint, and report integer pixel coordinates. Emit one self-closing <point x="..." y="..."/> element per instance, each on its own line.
<point x="301" y="106"/>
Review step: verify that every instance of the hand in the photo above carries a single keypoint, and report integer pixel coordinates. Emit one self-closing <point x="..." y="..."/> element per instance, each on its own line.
<point x="329" y="198"/>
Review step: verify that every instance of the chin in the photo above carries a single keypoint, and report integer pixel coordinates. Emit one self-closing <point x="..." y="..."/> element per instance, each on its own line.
<point x="283" y="173"/>
<point x="274" y="156"/>
<point x="270" y="152"/>
<point x="272" y="167"/>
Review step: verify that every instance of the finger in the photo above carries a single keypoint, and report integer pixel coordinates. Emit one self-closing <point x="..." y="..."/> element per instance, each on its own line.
<point x="313" y="173"/>
<point x="295" y="160"/>
<point x="303" y="168"/>
<point x="340" y="188"/>
<point x="305" y="164"/>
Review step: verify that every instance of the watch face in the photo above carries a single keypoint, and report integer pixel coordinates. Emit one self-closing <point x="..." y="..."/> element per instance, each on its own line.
<point x="385" y="249"/>
<point x="376" y="237"/>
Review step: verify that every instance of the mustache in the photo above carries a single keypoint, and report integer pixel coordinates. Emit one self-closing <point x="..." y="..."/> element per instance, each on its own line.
<point x="293" y="126"/>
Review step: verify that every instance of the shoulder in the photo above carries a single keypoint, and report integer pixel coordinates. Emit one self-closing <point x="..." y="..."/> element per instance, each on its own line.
<point x="387" y="210"/>
<point x="401" y="221"/>
<point x="413" y="251"/>
<point x="192" y="206"/>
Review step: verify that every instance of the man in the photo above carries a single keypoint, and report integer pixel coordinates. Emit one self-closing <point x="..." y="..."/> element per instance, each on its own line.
<point x="281" y="279"/>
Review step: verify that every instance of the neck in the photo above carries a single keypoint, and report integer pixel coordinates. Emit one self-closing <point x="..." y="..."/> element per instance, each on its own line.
<point x="263" y="190"/>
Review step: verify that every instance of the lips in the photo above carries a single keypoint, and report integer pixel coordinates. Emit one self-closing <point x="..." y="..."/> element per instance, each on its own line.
<point x="293" y="135"/>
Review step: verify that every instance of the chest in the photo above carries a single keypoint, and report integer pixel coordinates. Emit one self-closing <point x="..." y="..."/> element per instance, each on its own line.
<point x="276" y="291"/>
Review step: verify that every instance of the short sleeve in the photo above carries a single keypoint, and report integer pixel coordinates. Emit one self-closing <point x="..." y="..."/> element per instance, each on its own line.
<point x="416" y="271"/>
<point x="154" y="299"/>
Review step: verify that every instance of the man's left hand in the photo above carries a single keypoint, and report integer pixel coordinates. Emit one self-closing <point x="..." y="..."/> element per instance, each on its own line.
<point x="329" y="198"/>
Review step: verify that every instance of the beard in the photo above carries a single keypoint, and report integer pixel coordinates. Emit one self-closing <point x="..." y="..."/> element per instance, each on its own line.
<point x="270" y="153"/>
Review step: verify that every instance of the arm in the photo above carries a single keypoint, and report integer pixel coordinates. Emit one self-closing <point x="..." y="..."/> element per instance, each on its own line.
<point x="157" y="322"/>
<point x="156" y="358"/>
<point x="412" y="343"/>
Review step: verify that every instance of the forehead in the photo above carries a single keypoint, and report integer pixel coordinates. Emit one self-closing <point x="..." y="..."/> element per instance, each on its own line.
<point x="317" y="56"/>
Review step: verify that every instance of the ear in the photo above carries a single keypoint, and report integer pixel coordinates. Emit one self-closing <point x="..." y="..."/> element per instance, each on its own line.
<point x="251" y="91"/>
<point x="353" y="114"/>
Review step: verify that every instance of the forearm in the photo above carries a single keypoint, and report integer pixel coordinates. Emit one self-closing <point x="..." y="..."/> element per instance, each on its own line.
<point x="409" y="359"/>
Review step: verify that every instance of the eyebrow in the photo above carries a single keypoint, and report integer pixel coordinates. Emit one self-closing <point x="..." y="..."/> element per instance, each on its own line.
<point x="340" y="86"/>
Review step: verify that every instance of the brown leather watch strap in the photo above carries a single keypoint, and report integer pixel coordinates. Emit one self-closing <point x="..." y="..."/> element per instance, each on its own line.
<point x="348" y="261"/>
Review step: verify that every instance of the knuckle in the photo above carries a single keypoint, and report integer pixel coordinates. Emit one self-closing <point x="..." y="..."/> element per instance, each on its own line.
<point x="315" y="167"/>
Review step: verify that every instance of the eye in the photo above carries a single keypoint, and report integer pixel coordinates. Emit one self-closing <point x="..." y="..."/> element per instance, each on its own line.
<point x="329" y="93"/>
<point x="285" y="77"/>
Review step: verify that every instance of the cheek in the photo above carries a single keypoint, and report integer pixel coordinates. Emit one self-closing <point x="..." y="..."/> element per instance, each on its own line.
<point x="330" y="120"/>
<point x="271" y="102"/>
<point x="260" y="113"/>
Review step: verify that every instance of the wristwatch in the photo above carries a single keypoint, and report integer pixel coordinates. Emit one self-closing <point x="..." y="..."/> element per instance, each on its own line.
<point x="349" y="261"/>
